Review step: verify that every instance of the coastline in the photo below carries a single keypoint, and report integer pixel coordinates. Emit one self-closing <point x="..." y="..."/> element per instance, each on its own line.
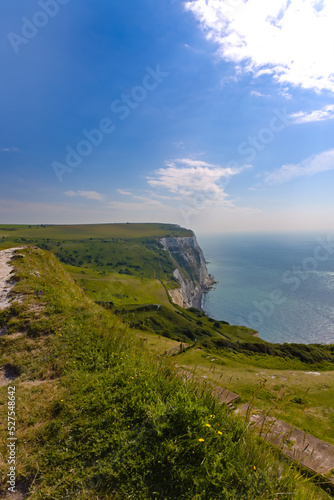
<point x="197" y="300"/>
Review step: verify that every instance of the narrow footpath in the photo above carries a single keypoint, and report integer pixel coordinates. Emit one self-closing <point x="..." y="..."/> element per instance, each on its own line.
<point x="6" y="269"/>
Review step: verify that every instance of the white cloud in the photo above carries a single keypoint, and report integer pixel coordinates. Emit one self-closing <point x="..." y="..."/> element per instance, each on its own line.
<point x="192" y="177"/>
<point x="124" y="192"/>
<point x="258" y="94"/>
<point x="315" y="164"/>
<point x="191" y="163"/>
<point x="160" y="196"/>
<point x="90" y="195"/>
<point x="146" y="200"/>
<point x="285" y="93"/>
<point x="226" y="81"/>
<point x="327" y="113"/>
<point x="195" y="183"/>
<point x="289" y="39"/>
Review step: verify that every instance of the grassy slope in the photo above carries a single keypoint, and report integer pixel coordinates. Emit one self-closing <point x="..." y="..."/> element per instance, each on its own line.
<point x="119" y="289"/>
<point x="100" y="418"/>
<point x="293" y="391"/>
<point x="107" y="251"/>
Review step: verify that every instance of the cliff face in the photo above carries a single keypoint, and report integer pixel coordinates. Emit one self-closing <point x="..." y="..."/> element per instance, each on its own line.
<point x="190" y="270"/>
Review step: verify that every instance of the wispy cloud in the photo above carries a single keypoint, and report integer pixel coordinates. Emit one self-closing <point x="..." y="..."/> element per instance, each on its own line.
<point x="284" y="92"/>
<point x="124" y="192"/>
<point x="90" y="195"/>
<point x="315" y="164"/>
<point x="192" y="163"/>
<point x="258" y="94"/>
<point x="319" y="115"/>
<point x="9" y="150"/>
<point x="189" y="177"/>
<point x="288" y="39"/>
<point x="160" y="196"/>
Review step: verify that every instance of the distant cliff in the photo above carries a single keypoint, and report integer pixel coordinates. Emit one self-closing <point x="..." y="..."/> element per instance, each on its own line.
<point x="190" y="270"/>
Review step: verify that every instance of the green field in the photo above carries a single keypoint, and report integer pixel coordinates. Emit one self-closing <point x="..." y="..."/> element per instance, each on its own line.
<point x="119" y="289"/>
<point x="101" y="417"/>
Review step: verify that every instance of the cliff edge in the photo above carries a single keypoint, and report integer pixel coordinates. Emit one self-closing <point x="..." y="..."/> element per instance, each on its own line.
<point x="190" y="270"/>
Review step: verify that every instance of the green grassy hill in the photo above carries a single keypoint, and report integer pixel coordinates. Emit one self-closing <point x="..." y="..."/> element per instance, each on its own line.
<point x="123" y="266"/>
<point x="125" y="255"/>
<point x="101" y="417"/>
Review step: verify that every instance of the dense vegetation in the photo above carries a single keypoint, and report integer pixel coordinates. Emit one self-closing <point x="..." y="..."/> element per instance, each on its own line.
<point x="318" y="356"/>
<point x="99" y="417"/>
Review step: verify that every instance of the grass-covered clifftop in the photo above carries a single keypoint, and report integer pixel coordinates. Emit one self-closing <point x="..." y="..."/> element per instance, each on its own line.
<point x="123" y="266"/>
<point x="95" y="231"/>
<point x="127" y="256"/>
<point x="126" y="249"/>
<point x="101" y="417"/>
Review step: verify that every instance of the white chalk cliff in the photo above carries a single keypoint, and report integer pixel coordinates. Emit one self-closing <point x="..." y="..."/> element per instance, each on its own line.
<point x="190" y="269"/>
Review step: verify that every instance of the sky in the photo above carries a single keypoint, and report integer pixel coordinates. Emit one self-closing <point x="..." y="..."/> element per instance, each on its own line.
<point x="217" y="115"/>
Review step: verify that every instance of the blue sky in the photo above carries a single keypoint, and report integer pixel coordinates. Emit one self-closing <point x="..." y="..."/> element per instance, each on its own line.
<point x="216" y="115"/>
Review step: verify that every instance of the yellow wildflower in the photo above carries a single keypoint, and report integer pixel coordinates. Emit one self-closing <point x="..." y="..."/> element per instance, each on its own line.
<point x="220" y="432"/>
<point x="201" y="440"/>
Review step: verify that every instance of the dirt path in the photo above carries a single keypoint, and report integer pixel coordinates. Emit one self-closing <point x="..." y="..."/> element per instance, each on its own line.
<point x="5" y="276"/>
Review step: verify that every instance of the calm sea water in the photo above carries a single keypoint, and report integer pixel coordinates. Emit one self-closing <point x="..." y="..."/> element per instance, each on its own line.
<point x="280" y="285"/>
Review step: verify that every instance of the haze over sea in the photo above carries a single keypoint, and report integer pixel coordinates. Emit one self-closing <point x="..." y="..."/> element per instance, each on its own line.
<point x="282" y="285"/>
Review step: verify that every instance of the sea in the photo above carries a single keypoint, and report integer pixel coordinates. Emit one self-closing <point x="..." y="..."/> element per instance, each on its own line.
<point x="281" y="285"/>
